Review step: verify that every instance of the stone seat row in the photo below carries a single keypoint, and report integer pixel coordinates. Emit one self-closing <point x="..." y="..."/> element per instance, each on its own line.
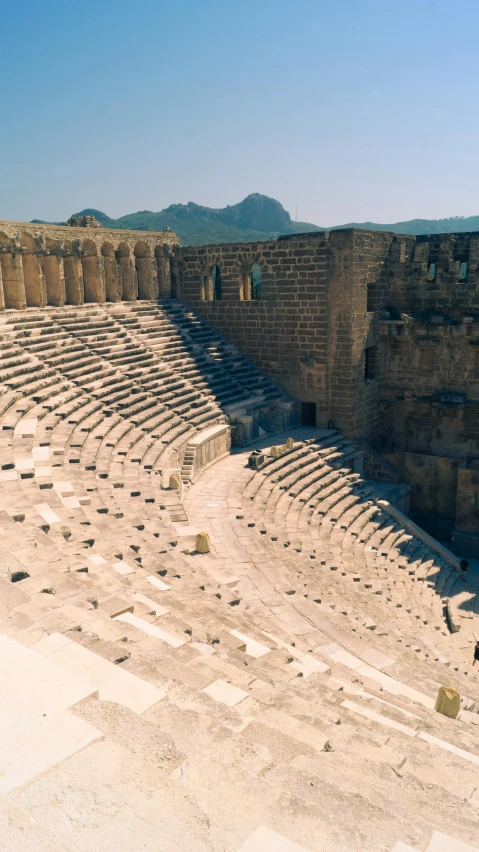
<point x="172" y="618"/>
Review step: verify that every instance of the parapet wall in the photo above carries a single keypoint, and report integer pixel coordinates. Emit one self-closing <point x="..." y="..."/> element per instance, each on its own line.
<point x="55" y="265"/>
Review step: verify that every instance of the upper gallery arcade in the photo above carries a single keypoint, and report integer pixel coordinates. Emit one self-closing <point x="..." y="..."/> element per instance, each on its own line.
<point x="56" y="265"/>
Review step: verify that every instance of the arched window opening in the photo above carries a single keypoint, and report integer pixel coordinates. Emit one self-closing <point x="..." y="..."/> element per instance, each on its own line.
<point x="255" y="279"/>
<point x="245" y="283"/>
<point x="216" y="282"/>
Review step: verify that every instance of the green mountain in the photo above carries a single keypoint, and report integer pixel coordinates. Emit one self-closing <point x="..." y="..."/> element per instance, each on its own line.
<point x="257" y="217"/>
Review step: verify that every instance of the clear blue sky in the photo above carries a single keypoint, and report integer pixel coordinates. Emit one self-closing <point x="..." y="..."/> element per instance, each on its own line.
<point x="351" y="109"/>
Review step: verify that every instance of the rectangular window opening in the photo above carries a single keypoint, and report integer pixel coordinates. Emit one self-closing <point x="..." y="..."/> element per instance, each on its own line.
<point x="370" y="363"/>
<point x="308" y="414"/>
<point x="463" y="272"/>
<point x="432" y="272"/>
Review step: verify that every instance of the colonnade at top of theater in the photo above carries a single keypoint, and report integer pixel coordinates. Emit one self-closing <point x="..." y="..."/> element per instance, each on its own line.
<point x="37" y="269"/>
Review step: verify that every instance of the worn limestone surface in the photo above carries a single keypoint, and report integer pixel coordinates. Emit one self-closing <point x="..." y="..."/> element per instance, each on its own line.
<point x="278" y="691"/>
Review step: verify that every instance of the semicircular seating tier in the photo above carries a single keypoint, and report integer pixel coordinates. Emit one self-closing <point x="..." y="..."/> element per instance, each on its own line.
<point x="294" y="667"/>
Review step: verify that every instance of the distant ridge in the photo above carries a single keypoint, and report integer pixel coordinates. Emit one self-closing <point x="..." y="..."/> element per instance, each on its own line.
<point x="257" y="217"/>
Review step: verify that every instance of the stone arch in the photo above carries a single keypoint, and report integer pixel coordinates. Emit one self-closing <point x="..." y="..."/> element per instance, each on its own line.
<point x="128" y="285"/>
<point x="92" y="278"/>
<point x="144" y="270"/>
<point x="112" y="290"/>
<point x="34" y="279"/>
<point x="250" y="280"/>
<point x="211" y="290"/>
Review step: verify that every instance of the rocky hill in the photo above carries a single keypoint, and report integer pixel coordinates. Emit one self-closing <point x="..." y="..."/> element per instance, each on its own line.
<point x="257" y="217"/>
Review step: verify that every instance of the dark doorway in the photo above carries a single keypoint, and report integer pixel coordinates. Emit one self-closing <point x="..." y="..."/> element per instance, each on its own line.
<point x="308" y="414"/>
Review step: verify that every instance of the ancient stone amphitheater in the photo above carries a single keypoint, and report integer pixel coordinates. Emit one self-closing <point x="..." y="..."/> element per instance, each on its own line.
<point x="275" y="694"/>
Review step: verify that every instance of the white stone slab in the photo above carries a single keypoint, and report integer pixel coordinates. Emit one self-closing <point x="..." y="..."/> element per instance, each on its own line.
<point x="41" y="453"/>
<point x="24" y="464"/>
<point x="183" y="529"/>
<point x="378" y="718"/>
<point x="123" y="568"/>
<point x="150" y="629"/>
<point x="32" y="685"/>
<point x="112" y="682"/>
<point x="403" y="847"/>
<point x="443" y="843"/>
<point x="154" y="607"/>
<point x="32" y="744"/>
<point x="49" y="644"/>
<point x="266" y="840"/>
<point x="459" y="752"/>
<point x="225" y="693"/>
<point x="97" y="559"/>
<point x="63" y="487"/>
<point x="308" y="665"/>
<point x="43" y="472"/>
<point x="376" y="659"/>
<point x="8" y="475"/>
<point x="47" y="514"/>
<point x="155" y="581"/>
<point x="26" y="428"/>
<point x="253" y="648"/>
<point x="71" y="502"/>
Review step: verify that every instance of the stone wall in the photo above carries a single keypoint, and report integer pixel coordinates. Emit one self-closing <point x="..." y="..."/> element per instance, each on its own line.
<point x="57" y="265"/>
<point x="285" y="331"/>
<point x="310" y="328"/>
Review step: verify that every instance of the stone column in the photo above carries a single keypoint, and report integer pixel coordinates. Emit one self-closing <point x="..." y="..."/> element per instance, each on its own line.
<point x="2" y="297"/>
<point x="163" y="272"/>
<point x="154" y="279"/>
<point x="112" y="279"/>
<point x="93" y="278"/>
<point x="54" y="275"/>
<point x="73" y="272"/>
<point x="144" y="270"/>
<point x="101" y="273"/>
<point x="127" y="279"/>
<point x="35" y="285"/>
<point x="13" y="280"/>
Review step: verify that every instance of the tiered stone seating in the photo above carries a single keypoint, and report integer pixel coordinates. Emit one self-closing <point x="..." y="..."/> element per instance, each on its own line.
<point x="269" y="692"/>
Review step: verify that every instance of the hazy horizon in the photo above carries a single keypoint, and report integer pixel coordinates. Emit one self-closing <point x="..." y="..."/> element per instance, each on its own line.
<point x="361" y="111"/>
